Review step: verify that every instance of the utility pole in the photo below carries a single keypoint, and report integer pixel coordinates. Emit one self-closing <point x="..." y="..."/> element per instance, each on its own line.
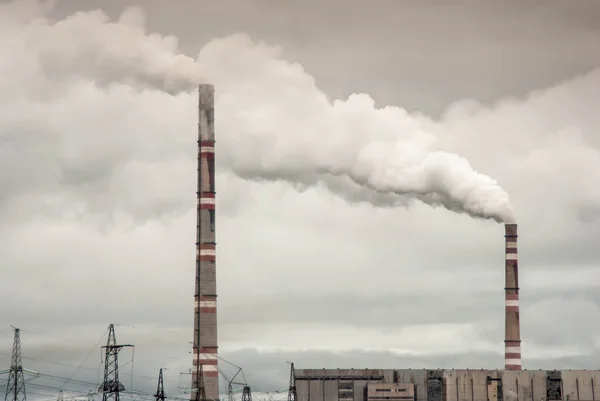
<point x="160" y="391"/>
<point x="292" y="394"/>
<point x="111" y="387"/>
<point x="15" y="388"/>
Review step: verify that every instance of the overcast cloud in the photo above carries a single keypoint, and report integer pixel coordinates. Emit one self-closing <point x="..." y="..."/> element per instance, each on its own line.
<point x="97" y="184"/>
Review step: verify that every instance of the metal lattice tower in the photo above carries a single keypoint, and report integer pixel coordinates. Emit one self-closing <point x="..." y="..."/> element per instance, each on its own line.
<point x="247" y="394"/>
<point x="231" y="382"/>
<point x="292" y="394"/>
<point x="111" y="387"/>
<point x="201" y="390"/>
<point x="160" y="391"/>
<point x="60" y="396"/>
<point x="15" y="387"/>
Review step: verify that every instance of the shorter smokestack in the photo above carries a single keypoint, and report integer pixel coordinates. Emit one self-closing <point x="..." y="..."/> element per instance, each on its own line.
<point x="512" y="335"/>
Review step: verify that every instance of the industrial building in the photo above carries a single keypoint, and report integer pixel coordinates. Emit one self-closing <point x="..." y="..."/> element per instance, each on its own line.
<point x="510" y="384"/>
<point x="446" y="385"/>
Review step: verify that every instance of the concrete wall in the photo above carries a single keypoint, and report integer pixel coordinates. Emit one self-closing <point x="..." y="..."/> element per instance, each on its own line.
<point x="457" y="385"/>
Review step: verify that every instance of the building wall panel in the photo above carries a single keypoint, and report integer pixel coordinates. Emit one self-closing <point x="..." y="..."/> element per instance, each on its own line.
<point x="419" y="378"/>
<point x="464" y="385"/>
<point x="570" y="385"/>
<point x="388" y="376"/>
<point x="330" y="390"/>
<point x="538" y="378"/>
<point x="524" y="386"/>
<point x="586" y="379"/>
<point x="510" y="390"/>
<point x="450" y="378"/>
<point x="360" y="387"/>
<point x="316" y="390"/>
<point x="596" y="387"/>
<point x="480" y="383"/>
<point x="302" y="390"/>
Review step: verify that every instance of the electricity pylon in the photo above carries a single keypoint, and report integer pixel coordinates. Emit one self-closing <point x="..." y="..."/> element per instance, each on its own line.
<point x="247" y="394"/>
<point x="160" y="391"/>
<point x="15" y="388"/>
<point x="111" y="386"/>
<point x="292" y="394"/>
<point x="201" y="390"/>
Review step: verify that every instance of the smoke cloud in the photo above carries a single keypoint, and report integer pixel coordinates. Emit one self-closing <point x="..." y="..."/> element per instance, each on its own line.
<point x="288" y="130"/>
<point x="274" y="123"/>
<point x="89" y="45"/>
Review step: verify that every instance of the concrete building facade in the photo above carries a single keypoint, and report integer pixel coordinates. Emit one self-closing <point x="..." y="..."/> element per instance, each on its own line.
<point x="205" y="348"/>
<point x="446" y="385"/>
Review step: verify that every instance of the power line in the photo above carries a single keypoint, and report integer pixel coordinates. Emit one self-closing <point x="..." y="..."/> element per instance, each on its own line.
<point x="46" y="387"/>
<point x="85" y="382"/>
<point x="138" y="393"/>
<point x="86" y="358"/>
<point x="68" y="365"/>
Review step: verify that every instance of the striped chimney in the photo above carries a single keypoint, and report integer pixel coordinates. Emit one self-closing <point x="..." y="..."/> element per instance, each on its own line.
<point x="512" y="335"/>
<point x="205" y="297"/>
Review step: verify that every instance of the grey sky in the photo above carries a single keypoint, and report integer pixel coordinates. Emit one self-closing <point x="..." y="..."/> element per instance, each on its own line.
<point x="97" y="192"/>
<point x="422" y="55"/>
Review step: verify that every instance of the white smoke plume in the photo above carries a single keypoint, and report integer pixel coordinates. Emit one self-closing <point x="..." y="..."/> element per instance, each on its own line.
<point x="273" y="121"/>
<point x="90" y="45"/>
<point x="288" y="130"/>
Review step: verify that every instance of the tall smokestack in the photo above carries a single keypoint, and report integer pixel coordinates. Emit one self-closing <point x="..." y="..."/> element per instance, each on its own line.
<point x="205" y="313"/>
<point x="512" y="335"/>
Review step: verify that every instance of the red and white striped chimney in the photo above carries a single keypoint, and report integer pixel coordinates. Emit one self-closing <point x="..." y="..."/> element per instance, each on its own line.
<point x="512" y="335"/>
<point x="205" y="297"/>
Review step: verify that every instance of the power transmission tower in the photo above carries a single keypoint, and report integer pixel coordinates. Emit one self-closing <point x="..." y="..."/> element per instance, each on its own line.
<point x="201" y="390"/>
<point x="292" y="394"/>
<point x="160" y="391"/>
<point x="231" y="382"/>
<point x="15" y="388"/>
<point x="111" y="387"/>
<point x="60" y="396"/>
<point x="247" y="394"/>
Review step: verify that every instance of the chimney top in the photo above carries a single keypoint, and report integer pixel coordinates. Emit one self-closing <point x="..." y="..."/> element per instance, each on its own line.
<point x="511" y="230"/>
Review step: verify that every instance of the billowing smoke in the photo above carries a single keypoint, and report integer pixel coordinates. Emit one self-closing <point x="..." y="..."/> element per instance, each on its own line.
<point x="90" y="45"/>
<point x="273" y="121"/>
<point x="287" y="129"/>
